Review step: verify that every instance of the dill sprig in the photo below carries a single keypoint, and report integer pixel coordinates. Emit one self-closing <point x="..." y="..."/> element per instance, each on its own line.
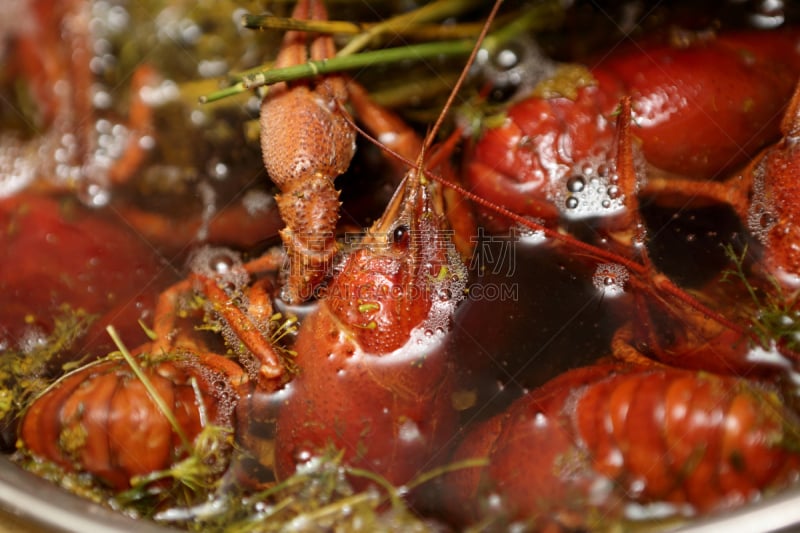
<point x="319" y="495"/>
<point x="24" y="372"/>
<point x="189" y="481"/>
<point x="776" y="320"/>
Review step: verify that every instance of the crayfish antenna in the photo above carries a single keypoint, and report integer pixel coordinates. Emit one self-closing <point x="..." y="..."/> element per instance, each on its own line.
<point x="459" y="83"/>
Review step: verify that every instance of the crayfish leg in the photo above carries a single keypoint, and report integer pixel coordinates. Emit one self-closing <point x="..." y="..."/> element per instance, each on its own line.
<point x="244" y="326"/>
<point x="625" y="227"/>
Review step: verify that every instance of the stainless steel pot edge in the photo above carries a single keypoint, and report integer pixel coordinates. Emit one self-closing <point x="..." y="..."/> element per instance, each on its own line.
<point x="46" y="505"/>
<point x="51" y="508"/>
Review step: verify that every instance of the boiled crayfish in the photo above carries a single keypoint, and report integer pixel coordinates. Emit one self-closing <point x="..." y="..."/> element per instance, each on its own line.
<point x="379" y="328"/>
<point x="374" y="376"/>
<point x="691" y="120"/>
<point x="600" y="437"/>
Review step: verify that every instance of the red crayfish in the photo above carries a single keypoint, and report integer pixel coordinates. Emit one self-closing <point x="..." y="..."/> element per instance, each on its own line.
<point x="373" y="373"/>
<point x="391" y="300"/>
<point x="602" y="436"/>
<point x="690" y="119"/>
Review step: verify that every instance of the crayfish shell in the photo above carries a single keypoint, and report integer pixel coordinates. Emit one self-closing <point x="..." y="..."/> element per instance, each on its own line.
<point x="602" y="437"/>
<point x="101" y="419"/>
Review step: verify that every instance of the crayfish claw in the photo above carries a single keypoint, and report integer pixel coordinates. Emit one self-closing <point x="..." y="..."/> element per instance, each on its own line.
<point x="306" y="143"/>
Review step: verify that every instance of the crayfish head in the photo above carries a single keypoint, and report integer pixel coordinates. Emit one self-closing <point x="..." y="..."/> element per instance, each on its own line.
<point x="405" y="274"/>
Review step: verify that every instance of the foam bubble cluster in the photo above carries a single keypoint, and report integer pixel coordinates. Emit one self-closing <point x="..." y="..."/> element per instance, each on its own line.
<point x="590" y="190"/>
<point x="222" y="264"/>
<point x="610" y="279"/>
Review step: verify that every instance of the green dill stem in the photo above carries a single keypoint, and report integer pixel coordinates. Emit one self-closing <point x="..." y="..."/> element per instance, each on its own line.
<point x="380" y="480"/>
<point x="233" y="90"/>
<point x="201" y="406"/>
<point x="437" y="10"/>
<point x="362" y="60"/>
<point x="271" y="22"/>
<point x="423" y="478"/>
<point x="151" y="334"/>
<point x="532" y="19"/>
<point x="336" y="506"/>
<point x="286" y="484"/>
<point x="418" y="32"/>
<point x="151" y="390"/>
<point x="287" y="327"/>
<point x="739" y="262"/>
<point x="279" y="506"/>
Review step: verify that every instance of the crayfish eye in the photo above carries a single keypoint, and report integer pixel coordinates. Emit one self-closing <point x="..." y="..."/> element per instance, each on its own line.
<point x="401" y="236"/>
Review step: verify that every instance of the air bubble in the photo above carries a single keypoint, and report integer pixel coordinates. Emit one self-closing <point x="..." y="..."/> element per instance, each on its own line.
<point x="257" y="202"/>
<point x="766" y="220"/>
<point x="769" y="14"/>
<point x="303" y="456"/>
<point x="212" y="68"/>
<point x="147" y="142"/>
<point x="506" y="58"/>
<point x="93" y="192"/>
<point x="217" y="169"/>
<point x="529" y="235"/>
<point x="16" y="170"/>
<point x="495" y="502"/>
<point x="221" y="263"/>
<point x="32" y="339"/>
<point x="449" y="282"/>
<point x="760" y="220"/>
<point x="576" y="184"/>
<point x="516" y="68"/>
<point x="157" y="96"/>
<point x="101" y="99"/>
<point x="409" y="431"/>
<point x="591" y="194"/>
